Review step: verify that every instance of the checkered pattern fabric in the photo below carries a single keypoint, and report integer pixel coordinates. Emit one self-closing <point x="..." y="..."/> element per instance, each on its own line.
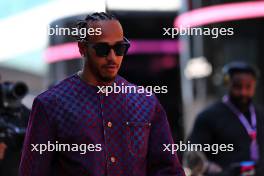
<point x="131" y="129"/>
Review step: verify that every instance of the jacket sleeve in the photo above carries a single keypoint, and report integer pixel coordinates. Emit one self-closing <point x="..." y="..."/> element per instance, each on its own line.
<point x="202" y="130"/>
<point x="160" y="162"/>
<point x="39" y="132"/>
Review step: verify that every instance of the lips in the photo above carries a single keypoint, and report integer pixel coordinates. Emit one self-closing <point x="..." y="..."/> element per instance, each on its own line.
<point x="111" y="67"/>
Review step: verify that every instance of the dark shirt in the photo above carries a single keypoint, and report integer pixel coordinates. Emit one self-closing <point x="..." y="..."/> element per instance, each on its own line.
<point x="218" y="125"/>
<point x="131" y="129"/>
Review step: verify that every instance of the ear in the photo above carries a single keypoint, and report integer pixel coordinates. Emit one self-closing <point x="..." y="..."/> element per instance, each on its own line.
<point x="226" y="80"/>
<point x="81" y="48"/>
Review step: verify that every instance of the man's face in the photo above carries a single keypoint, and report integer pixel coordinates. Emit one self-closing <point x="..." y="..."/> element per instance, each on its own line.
<point x="104" y="68"/>
<point x="242" y="88"/>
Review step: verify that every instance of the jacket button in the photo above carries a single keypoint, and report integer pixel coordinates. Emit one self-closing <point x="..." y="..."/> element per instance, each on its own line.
<point x="109" y="124"/>
<point x="113" y="159"/>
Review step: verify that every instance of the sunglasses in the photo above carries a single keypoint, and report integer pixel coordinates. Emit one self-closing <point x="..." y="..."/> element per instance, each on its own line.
<point x="102" y="49"/>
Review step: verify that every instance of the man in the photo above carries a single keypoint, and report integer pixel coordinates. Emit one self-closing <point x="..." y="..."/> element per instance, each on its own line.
<point x="3" y="147"/>
<point x="233" y="120"/>
<point x="13" y="121"/>
<point x="127" y="130"/>
<point x="11" y="144"/>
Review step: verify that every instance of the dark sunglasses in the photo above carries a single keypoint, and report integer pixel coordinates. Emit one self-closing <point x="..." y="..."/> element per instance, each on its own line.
<point x="102" y="49"/>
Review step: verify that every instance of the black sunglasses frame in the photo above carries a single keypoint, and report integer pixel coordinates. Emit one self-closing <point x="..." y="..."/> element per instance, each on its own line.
<point x="95" y="46"/>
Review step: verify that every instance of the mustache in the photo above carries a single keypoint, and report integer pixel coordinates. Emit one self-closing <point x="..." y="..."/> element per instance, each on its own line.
<point x="110" y="64"/>
<point x="241" y="100"/>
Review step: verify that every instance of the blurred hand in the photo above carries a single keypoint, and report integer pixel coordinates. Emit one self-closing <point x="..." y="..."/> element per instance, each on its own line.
<point x="213" y="168"/>
<point x="3" y="147"/>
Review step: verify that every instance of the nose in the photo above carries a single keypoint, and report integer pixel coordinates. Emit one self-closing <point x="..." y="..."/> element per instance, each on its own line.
<point x="111" y="55"/>
<point x="243" y="91"/>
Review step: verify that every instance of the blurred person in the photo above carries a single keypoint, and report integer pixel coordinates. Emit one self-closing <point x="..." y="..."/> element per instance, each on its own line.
<point x="131" y="128"/>
<point x="3" y="147"/>
<point x="233" y="120"/>
<point x="13" y="121"/>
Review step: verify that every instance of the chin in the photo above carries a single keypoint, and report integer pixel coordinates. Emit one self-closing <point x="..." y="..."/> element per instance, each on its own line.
<point x="108" y="78"/>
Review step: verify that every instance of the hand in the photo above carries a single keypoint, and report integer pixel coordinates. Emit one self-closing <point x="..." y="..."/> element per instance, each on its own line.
<point x="213" y="168"/>
<point x="3" y="147"/>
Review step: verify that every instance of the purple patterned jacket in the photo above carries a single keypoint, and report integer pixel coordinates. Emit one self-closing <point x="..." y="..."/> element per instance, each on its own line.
<point x="129" y="128"/>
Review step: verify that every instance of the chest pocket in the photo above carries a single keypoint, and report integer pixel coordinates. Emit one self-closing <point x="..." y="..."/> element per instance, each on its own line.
<point x="137" y="134"/>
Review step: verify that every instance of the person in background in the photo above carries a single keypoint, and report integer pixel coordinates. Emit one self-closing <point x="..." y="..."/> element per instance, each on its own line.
<point x="236" y="120"/>
<point x="13" y="121"/>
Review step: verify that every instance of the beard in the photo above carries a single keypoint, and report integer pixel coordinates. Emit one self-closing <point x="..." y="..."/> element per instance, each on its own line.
<point x="241" y="102"/>
<point x="102" y="76"/>
<point x="106" y="79"/>
<point x="108" y="76"/>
